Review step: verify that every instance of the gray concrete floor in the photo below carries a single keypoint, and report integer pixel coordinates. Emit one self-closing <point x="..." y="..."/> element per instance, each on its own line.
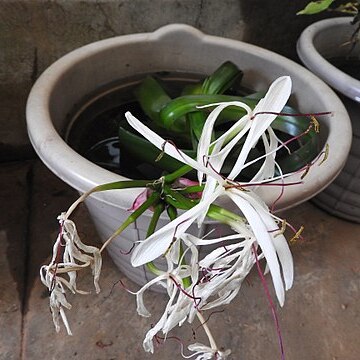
<point x="320" y="319"/>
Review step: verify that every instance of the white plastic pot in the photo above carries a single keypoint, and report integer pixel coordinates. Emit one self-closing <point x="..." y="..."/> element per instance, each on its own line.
<point x="171" y="48"/>
<point x="321" y="41"/>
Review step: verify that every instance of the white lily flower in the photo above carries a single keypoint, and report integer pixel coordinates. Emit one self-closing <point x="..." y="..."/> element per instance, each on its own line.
<point x="227" y="269"/>
<point x="223" y="270"/>
<point x="69" y="256"/>
<point x="210" y="159"/>
<point x="176" y="310"/>
<point x="216" y="280"/>
<point x="57" y="298"/>
<point x="180" y="302"/>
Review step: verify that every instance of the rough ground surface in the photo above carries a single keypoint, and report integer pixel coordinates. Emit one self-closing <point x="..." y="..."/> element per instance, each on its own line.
<point x="320" y="319"/>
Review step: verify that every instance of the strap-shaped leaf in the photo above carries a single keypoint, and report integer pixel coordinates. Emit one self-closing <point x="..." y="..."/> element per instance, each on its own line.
<point x="221" y="79"/>
<point x="217" y="83"/>
<point x="183" y="105"/>
<point x="142" y="150"/>
<point x="152" y="98"/>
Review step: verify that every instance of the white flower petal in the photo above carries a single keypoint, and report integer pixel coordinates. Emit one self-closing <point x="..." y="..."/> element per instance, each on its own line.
<point x="264" y="240"/>
<point x="209" y="188"/>
<point x="279" y="241"/>
<point x="274" y="101"/>
<point x="205" y="148"/>
<point x="207" y="353"/>
<point x="141" y="309"/>
<point x="148" y="341"/>
<point x="163" y="145"/>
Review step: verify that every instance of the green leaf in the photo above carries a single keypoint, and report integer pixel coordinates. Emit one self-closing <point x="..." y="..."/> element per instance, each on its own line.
<point x="221" y="79"/>
<point x="195" y="120"/>
<point x="217" y="83"/>
<point x="308" y="143"/>
<point x="152" y="98"/>
<point x="141" y="149"/>
<point x="315" y="7"/>
<point x="183" y="105"/>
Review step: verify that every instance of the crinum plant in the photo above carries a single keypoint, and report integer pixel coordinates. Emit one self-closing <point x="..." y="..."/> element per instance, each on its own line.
<point x="194" y="281"/>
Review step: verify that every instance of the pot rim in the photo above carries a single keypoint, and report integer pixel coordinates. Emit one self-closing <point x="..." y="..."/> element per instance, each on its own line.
<point x="314" y="61"/>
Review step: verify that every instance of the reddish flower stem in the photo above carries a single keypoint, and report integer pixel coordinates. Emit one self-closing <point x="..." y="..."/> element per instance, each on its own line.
<point x="271" y="303"/>
<point x="289" y="114"/>
<point x="197" y="300"/>
<point x="59" y="252"/>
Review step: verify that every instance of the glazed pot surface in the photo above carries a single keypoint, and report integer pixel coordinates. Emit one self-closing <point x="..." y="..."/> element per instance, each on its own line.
<point x="315" y="47"/>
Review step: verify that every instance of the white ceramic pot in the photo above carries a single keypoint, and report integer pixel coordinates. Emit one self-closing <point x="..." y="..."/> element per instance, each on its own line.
<point x="171" y="48"/>
<point x="321" y="41"/>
